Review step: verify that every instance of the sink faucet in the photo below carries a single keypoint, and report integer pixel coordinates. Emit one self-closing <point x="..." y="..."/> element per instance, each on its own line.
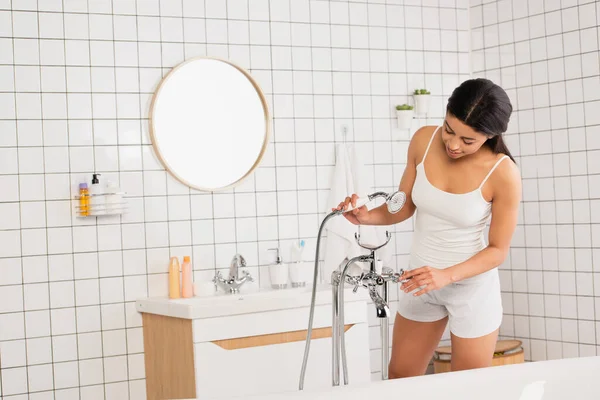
<point x="233" y="283"/>
<point x="237" y="262"/>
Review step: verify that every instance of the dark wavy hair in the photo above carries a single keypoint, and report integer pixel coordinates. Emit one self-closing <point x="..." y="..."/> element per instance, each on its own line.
<point x="484" y="106"/>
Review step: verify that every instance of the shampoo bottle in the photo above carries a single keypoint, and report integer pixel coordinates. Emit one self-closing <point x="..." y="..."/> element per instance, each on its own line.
<point x="84" y="200"/>
<point x="97" y="204"/>
<point x="187" y="287"/>
<point x="174" y="287"/>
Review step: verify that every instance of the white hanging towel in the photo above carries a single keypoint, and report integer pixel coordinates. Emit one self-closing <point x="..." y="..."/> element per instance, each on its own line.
<point x="363" y="185"/>
<point x="340" y="232"/>
<point x="349" y="177"/>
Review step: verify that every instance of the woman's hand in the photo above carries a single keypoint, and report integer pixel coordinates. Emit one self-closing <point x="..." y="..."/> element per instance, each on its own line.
<point x="428" y="278"/>
<point x="358" y="215"/>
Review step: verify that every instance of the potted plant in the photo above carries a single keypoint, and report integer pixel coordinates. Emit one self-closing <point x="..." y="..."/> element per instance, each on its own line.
<point x="422" y="97"/>
<point x="404" y="113"/>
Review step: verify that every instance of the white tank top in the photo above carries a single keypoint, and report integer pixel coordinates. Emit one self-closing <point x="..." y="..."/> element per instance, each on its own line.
<point x="449" y="228"/>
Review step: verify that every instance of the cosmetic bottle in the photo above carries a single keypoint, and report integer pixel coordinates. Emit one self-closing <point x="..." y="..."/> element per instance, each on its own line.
<point x="84" y="200"/>
<point x="113" y="198"/>
<point x="187" y="286"/>
<point x="174" y="286"/>
<point x="97" y="203"/>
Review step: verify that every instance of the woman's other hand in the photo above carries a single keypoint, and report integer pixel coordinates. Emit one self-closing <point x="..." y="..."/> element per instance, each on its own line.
<point x="357" y="216"/>
<point x="427" y="278"/>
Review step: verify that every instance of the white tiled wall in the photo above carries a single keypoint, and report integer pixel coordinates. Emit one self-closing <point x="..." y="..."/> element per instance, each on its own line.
<point x="545" y="53"/>
<point x="76" y="78"/>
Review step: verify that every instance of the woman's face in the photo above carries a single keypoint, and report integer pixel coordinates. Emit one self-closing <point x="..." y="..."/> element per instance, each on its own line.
<point x="460" y="139"/>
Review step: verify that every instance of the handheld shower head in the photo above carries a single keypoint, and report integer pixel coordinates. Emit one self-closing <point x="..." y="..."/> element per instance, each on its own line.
<point x="395" y="201"/>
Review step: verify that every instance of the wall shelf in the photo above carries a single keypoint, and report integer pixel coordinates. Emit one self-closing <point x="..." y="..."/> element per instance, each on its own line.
<point x="96" y="205"/>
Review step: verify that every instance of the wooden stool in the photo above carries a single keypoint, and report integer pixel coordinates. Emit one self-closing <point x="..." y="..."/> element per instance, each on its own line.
<point x="507" y="352"/>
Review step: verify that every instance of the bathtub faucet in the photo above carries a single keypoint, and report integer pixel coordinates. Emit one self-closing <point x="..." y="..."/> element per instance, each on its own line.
<point x="370" y="279"/>
<point x="233" y="283"/>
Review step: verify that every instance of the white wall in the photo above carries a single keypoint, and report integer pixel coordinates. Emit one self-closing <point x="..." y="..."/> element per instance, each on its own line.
<point x="76" y="78"/>
<point x="545" y="53"/>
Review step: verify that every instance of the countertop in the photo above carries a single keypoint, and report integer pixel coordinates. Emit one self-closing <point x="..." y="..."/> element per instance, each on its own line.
<point x="224" y="304"/>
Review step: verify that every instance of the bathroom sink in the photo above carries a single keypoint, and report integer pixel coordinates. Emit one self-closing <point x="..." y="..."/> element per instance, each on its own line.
<point x="211" y="339"/>
<point x="260" y="300"/>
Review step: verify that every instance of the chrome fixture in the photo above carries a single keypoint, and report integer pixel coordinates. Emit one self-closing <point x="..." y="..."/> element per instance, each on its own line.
<point x="280" y="264"/>
<point x="277" y="257"/>
<point x="233" y="283"/>
<point x="369" y="279"/>
<point x="395" y="201"/>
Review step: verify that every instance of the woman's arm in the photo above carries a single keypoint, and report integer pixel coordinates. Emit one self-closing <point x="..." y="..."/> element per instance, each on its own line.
<point x="380" y="215"/>
<point x="505" y="213"/>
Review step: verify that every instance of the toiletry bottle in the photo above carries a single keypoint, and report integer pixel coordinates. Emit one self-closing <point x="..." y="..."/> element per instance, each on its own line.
<point x="84" y="200"/>
<point x="97" y="205"/>
<point x="187" y="287"/>
<point x="113" y="198"/>
<point x="174" y="288"/>
<point x="278" y="272"/>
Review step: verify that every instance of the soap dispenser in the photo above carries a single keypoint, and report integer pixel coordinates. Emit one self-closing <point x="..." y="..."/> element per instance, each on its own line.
<point x="278" y="272"/>
<point x="97" y="204"/>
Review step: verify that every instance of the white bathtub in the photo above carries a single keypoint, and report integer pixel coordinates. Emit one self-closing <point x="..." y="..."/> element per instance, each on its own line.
<point x="574" y="378"/>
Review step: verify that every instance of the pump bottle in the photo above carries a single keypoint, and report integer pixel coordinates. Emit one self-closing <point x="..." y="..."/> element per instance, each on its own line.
<point x="97" y="205"/>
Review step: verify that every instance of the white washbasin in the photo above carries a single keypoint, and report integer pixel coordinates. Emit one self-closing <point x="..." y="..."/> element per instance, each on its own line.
<point x="260" y="300"/>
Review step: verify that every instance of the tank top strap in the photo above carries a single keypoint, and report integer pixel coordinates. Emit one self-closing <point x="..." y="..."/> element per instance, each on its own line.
<point x="429" y="144"/>
<point x="492" y="170"/>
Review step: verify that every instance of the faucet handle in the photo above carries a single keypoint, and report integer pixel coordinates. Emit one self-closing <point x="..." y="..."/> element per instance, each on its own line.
<point x="388" y="274"/>
<point x="218" y="277"/>
<point x="248" y="276"/>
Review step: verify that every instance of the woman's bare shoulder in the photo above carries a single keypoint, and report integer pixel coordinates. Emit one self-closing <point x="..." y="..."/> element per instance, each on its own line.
<point x="507" y="177"/>
<point x="419" y="142"/>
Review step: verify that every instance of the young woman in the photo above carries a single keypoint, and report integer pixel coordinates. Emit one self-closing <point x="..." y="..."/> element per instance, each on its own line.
<point x="457" y="176"/>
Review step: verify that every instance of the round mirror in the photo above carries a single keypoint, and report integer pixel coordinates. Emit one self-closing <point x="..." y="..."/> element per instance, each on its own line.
<point x="209" y="123"/>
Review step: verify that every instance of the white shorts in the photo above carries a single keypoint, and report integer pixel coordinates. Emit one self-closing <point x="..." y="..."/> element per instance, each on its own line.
<point x="473" y="306"/>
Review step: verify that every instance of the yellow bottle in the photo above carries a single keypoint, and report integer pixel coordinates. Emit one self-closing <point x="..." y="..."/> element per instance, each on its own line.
<point x="174" y="281"/>
<point x="84" y="200"/>
<point x="187" y="288"/>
